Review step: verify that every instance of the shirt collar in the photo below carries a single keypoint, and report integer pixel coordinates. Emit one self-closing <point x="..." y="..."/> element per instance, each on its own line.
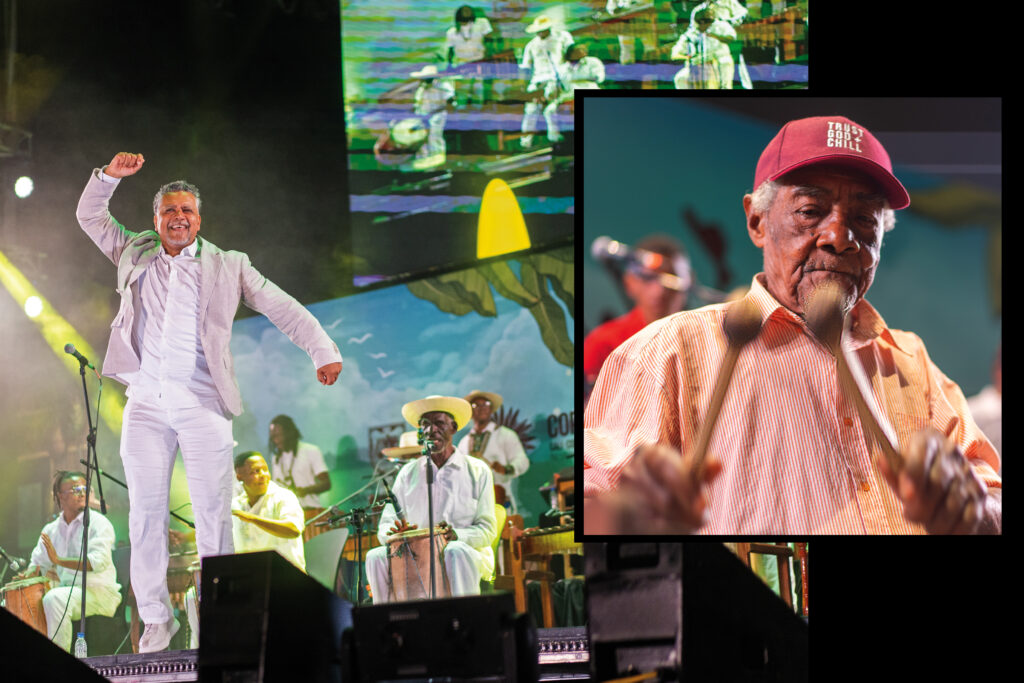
<point x="457" y="460"/>
<point x="64" y="522"/>
<point x="867" y="323"/>
<point x="189" y="251"/>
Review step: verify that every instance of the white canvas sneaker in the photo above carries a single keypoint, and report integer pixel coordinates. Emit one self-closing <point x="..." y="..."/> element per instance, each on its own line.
<point x="158" y="636"/>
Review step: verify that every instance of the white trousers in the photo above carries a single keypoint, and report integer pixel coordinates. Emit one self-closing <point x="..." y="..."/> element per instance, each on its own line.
<point x="532" y="109"/>
<point x="460" y="561"/>
<point x="59" y="630"/>
<point x="151" y="436"/>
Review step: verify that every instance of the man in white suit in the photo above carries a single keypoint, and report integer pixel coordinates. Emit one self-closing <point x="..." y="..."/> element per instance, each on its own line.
<point x="169" y="344"/>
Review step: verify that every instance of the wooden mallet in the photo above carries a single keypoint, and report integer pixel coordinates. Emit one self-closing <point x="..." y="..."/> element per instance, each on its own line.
<point x="824" y="316"/>
<point x="742" y="325"/>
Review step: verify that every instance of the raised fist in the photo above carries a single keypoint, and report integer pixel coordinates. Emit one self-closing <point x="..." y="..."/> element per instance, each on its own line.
<point x="124" y="164"/>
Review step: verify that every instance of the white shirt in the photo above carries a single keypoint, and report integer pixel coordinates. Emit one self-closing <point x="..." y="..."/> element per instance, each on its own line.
<point x="433" y="98"/>
<point x="67" y="541"/>
<point x="299" y="471"/>
<point x="503" y="446"/>
<point x="544" y="55"/>
<point x="463" y="493"/>
<point x="279" y="504"/>
<point x="695" y="43"/>
<point x="585" y="74"/>
<point x="166" y="332"/>
<point x="726" y="10"/>
<point x="468" y="40"/>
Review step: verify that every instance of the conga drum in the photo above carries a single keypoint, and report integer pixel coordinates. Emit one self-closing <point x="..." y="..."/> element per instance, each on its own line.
<point x="24" y="599"/>
<point x="409" y="565"/>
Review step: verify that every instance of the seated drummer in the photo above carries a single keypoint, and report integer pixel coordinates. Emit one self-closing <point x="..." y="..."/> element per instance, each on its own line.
<point x="463" y="495"/>
<point x="267" y="517"/>
<point x="57" y="556"/>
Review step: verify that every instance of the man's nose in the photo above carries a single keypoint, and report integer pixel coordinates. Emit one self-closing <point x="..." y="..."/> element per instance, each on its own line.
<point x="837" y="233"/>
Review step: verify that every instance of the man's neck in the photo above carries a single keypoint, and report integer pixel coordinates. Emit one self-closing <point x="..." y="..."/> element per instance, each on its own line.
<point x="481" y="426"/>
<point x="441" y="458"/>
<point x="253" y="496"/>
<point x="70" y="516"/>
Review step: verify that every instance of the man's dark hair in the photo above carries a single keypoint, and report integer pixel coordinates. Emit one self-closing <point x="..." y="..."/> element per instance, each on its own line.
<point x="59" y="478"/>
<point x="291" y="435"/>
<point x="464" y="15"/>
<point x="242" y="457"/>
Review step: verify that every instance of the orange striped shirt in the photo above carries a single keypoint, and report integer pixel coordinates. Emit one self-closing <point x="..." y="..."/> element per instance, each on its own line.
<point x="795" y="457"/>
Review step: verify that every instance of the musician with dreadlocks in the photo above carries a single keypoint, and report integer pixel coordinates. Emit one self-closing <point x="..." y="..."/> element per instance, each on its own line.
<point x="58" y="557"/>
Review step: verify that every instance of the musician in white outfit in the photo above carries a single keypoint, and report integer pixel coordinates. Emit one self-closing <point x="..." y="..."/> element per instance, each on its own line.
<point x="57" y="554"/>
<point x="544" y="55"/>
<point x="496" y="445"/>
<point x="705" y="46"/>
<point x="463" y="497"/>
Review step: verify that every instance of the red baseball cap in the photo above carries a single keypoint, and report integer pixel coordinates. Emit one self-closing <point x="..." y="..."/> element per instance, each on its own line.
<point x="834" y="140"/>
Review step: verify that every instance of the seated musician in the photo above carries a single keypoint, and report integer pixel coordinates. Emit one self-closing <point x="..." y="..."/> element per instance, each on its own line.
<point x="57" y="556"/>
<point x="789" y="453"/>
<point x="496" y="445"/>
<point x="463" y="497"/>
<point x="267" y="516"/>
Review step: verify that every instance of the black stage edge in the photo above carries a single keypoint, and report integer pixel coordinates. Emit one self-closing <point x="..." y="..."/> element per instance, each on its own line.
<point x="27" y="655"/>
<point x="690" y="611"/>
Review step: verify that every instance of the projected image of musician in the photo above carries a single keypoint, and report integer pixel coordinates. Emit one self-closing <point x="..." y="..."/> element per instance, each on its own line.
<point x="54" y="571"/>
<point x="496" y="445"/>
<point x="465" y="526"/>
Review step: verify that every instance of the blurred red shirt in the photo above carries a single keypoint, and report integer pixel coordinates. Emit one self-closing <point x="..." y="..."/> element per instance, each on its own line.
<point x="600" y="343"/>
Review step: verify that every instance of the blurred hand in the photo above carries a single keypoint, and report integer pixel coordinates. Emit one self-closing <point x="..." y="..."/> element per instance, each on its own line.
<point x="124" y="164"/>
<point x="51" y="552"/>
<point x="659" y="492"/>
<point x="937" y="485"/>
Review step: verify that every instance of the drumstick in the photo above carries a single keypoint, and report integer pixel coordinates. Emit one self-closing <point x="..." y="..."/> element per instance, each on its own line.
<point x="742" y="324"/>
<point x="825" y="319"/>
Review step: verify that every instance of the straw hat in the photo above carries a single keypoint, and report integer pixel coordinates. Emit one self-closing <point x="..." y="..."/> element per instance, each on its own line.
<point x="407" y="446"/>
<point x="429" y="71"/>
<point x="539" y="24"/>
<point x="495" y="399"/>
<point x="458" y="408"/>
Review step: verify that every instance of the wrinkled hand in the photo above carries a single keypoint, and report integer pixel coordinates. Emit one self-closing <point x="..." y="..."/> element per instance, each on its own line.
<point x="659" y="492"/>
<point x="51" y="552"/>
<point x="937" y="485"/>
<point x="447" y="532"/>
<point x="124" y="164"/>
<point x="328" y="374"/>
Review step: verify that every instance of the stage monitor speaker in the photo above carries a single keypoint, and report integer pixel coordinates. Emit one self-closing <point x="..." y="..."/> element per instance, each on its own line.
<point x="262" y="619"/>
<point x="465" y="638"/>
<point x="28" y="655"/>
<point x="690" y="610"/>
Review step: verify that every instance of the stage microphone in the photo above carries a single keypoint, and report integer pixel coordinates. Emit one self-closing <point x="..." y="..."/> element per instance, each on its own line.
<point x="70" y="349"/>
<point x="394" y="501"/>
<point x="609" y="251"/>
<point x="14" y="562"/>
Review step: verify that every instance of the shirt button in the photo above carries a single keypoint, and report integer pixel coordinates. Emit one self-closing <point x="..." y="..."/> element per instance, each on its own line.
<point x="848" y="422"/>
<point x="864" y="486"/>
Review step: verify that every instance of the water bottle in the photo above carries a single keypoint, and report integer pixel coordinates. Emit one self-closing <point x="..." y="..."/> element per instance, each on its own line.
<point x="80" y="646"/>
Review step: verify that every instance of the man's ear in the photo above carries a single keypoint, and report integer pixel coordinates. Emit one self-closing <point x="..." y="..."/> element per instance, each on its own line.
<point x="756" y="226"/>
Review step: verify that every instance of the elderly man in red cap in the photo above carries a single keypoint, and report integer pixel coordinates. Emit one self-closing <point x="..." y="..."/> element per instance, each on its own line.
<point x="463" y="504"/>
<point x="789" y="453"/>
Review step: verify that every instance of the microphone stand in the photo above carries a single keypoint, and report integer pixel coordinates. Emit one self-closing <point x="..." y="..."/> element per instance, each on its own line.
<point x="92" y="458"/>
<point x="430" y="510"/>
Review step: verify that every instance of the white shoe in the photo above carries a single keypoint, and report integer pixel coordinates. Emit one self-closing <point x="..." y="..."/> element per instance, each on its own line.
<point x="158" y="636"/>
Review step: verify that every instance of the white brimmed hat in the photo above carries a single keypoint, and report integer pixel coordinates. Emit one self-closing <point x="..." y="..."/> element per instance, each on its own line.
<point x="542" y="23"/>
<point x="429" y="71"/>
<point x="407" y="446"/>
<point x="495" y="399"/>
<point x="458" y="408"/>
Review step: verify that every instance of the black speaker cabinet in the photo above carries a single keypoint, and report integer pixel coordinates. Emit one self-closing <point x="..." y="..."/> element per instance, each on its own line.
<point x="261" y="619"/>
<point x="689" y="608"/>
<point x="460" y="638"/>
<point x="27" y="655"/>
